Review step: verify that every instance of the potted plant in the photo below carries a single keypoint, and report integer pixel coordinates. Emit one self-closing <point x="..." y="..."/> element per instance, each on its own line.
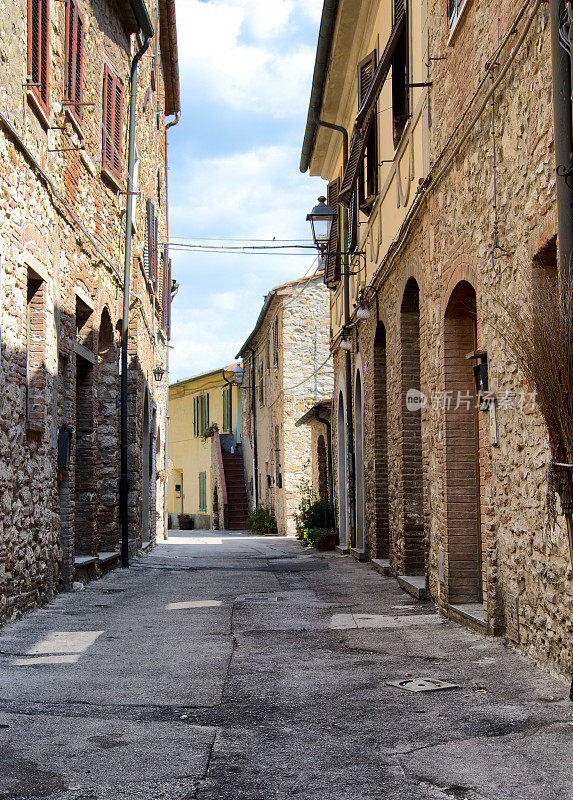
<point x="322" y="538"/>
<point x="185" y="522"/>
<point x="262" y="520"/>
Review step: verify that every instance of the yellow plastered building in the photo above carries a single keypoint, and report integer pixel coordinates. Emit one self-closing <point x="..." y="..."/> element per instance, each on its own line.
<point x="205" y="426"/>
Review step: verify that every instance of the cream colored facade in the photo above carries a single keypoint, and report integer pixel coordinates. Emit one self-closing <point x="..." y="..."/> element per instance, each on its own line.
<point x="190" y="455"/>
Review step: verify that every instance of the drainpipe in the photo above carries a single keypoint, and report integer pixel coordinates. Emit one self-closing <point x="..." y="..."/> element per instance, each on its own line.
<point x="254" y="404"/>
<point x="348" y="357"/>
<point x="561" y="80"/>
<point x="328" y="427"/>
<point x="147" y="30"/>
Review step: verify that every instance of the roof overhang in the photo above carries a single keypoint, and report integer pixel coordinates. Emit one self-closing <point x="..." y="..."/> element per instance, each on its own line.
<point x="258" y="324"/>
<point x="169" y="56"/>
<point x="312" y="415"/>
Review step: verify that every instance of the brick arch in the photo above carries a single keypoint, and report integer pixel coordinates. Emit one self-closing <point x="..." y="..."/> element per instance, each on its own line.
<point x="382" y="543"/>
<point x="359" y="451"/>
<point x="414" y="272"/>
<point x="341" y="449"/>
<point x="462" y="272"/>
<point x="413" y="543"/>
<point x="461" y="444"/>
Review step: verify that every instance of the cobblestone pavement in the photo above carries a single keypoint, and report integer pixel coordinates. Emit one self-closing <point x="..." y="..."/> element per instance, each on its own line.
<point x="224" y="666"/>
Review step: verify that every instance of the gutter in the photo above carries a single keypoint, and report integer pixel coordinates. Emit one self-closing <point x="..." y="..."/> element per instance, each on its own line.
<point x="325" y="36"/>
<point x="144" y="22"/>
<point x="254" y="403"/>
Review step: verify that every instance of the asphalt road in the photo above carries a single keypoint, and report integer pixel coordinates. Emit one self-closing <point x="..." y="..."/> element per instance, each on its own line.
<point x="225" y="666"/>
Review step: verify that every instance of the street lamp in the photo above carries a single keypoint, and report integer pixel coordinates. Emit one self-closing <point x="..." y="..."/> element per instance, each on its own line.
<point x="321" y="218"/>
<point x="239" y="375"/>
<point x="158" y="373"/>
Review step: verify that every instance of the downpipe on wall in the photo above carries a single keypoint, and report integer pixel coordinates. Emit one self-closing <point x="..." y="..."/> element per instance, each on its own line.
<point x="124" y="484"/>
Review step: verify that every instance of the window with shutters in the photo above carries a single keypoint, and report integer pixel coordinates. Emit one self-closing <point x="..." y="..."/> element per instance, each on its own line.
<point x="39" y="53"/>
<point x="226" y="409"/>
<point x="368" y="171"/>
<point x="261" y="382"/>
<point x="150" y="248"/>
<point x="203" y="492"/>
<point x="332" y="259"/>
<point x="275" y="342"/>
<point x="74" y="61"/>
<point x="200" y="414"/>
<point x="400" y="73"/>
<point x="455" y="8"/>
<point x="112" y="125"/>
<point x="166" y="293"/>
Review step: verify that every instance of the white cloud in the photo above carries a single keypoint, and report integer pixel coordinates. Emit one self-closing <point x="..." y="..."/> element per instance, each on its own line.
<point x="228" y="48"/>
<point x="258" y="194"/>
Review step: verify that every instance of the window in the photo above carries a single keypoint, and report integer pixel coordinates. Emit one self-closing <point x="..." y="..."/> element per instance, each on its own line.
<point x="203" y="492"/>
<point x="400" y="73"/>
<point x="166" y="293"/>
<point x="112" y="125"/>
<point x="35" y="341"/>
<point x="268" y="350"/>
<point x="226" y="409"/>
<point x="455" y="8"/>
<point x="275" y="342"/>
<point x="74" y="60"/>
<point x="150" y="258"/>
<point x="200" y="414"/>
<point x="368" y="172"/>
<point x="38" y="51"/>
<point x="261" y="372"/>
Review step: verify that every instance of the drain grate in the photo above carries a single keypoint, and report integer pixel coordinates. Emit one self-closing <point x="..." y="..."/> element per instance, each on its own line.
<point x="422" y="684"/>
<point x="257" y="598"/>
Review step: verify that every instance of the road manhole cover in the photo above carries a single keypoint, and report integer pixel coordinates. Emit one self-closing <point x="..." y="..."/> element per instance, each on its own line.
<point x="422" y="684"/>
<point x="257" y="598"/>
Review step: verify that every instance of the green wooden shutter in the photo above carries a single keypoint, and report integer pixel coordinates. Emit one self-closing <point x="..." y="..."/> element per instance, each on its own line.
<point x="206" y="411"/>
<point x="227" y="409"/>
<point x="203" y="491"/>
<point x="195" y="426"/>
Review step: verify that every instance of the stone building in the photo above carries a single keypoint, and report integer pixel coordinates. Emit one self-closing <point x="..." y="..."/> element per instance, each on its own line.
<point x="447" y="207"/>
<point x="206" y="479"/>
<point x="64" y="104"/>
<point x="288" y="368"/>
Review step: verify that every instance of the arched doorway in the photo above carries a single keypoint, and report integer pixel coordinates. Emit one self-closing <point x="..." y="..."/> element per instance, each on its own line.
<point x="145" y="463"/>
<point x="342" y="473"/>
<point x="381" y="444"/>
<point x="359" y="458"/>
<point x="107" y="436"/>
<point x="322" y="468"/>
<point x="414" y="556"/>
<point x="463" y="525"/>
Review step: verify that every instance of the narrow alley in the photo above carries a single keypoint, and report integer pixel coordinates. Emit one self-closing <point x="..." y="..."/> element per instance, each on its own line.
<point x="224" y="665"/>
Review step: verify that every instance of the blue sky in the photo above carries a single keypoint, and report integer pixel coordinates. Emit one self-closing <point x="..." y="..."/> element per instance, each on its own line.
<point x="245" y="72"/>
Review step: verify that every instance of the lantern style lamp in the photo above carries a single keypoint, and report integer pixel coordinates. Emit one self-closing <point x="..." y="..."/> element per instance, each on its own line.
<point x="239" y="375"/>
<point x="321" y="218"/>
<point x="158" y="373"/>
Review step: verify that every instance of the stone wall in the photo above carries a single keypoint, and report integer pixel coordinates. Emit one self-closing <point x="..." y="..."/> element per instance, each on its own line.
<point x="62" y="226"/>
<point x="290" y="389"/>
<point x="442" y="483"/>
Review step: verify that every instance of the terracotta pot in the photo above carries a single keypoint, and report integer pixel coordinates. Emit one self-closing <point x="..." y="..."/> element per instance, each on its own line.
<point x="329" y="543"/>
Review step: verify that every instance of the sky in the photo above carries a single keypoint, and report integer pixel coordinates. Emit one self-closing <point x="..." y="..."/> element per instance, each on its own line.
<point x="245" y="74"/>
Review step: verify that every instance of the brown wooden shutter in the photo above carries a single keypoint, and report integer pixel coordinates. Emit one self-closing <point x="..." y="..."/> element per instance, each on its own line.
<point x="398" y="10"/>
<point x="74" y="58"/>
<point x="155" y="254"/>
<point x="357" y="147"/>
<point x="366" y="70"/>
<point x="353" y="222"/>
<point x="332" y="266"/>
<point x="39" y="50"/>
<point x="112" y="124"/>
